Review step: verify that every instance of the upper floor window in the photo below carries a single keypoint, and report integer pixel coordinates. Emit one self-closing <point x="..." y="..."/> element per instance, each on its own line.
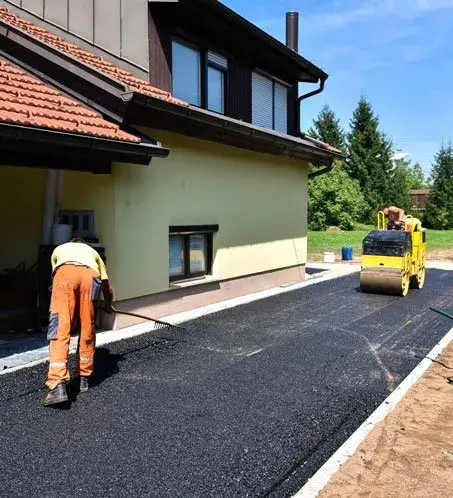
<point x="199" y="77"/>
<point x="269" y="103"/>
<point x="217" y="67"/>
<point x="186" y="73"/>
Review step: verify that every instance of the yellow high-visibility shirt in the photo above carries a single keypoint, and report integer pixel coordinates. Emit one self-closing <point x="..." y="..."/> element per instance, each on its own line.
<point x="81" y="254"/>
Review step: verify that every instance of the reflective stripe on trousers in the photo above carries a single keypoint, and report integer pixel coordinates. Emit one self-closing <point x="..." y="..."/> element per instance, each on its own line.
<point x="71" y="293"/>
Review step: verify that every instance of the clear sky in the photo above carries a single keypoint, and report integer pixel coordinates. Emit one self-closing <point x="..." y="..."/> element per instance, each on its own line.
<point x="397" y="53"/>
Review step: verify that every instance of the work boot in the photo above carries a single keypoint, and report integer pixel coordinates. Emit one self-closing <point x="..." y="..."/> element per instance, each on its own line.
<point x="83" y="384"/>
<point x="56" y="395"/>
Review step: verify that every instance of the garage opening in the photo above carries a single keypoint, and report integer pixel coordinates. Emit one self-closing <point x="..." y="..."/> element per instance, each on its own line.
<point x="33" y="221"/>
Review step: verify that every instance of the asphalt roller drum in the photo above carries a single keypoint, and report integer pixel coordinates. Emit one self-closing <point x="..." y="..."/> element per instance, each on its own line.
<point x="384" y="282"/>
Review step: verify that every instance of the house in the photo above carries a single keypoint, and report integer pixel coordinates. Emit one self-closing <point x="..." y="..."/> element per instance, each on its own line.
<point x="167" y="134"/>
<point x="419" y="198"/>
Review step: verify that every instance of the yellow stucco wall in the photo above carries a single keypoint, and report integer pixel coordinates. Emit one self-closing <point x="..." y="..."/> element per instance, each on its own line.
<point x="89" y="191"/>
<point x="259" y="202"/>
<point x="21" y="210"/>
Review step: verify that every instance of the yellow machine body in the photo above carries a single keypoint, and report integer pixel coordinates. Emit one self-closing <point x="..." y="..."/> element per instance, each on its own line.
<point x="394" y="260"/>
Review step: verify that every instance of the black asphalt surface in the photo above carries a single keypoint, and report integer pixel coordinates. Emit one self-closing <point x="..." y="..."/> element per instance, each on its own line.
<point x="197" y="414"/>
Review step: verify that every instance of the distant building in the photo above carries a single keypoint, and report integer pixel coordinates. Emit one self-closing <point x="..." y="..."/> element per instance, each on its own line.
<point x="419" y="198"/>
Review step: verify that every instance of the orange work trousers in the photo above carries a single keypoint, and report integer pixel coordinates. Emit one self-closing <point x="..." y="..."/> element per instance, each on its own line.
<point x="75" y="289"/>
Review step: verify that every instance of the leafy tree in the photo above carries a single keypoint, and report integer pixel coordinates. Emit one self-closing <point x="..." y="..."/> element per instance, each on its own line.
<point x="439" y="209"/>
<point x="369" y="161"/>
<point x="334" y="200"/>
<point x="326" y="127"/>
<point x="415" y="177"/>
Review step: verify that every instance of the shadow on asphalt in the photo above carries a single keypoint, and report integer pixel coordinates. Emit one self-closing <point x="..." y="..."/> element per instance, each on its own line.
<point x="106" y="364"/>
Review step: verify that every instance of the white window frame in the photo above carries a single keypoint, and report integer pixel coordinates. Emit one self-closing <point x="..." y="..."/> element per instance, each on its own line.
<point x="186" y="232"/>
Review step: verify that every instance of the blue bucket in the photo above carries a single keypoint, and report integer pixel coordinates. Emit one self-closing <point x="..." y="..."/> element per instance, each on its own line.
<point x="346" y="253"/>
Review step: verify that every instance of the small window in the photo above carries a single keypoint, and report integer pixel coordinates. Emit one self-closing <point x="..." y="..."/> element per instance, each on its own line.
<point x="269" y="103"/>
<point x="190" y="251"/>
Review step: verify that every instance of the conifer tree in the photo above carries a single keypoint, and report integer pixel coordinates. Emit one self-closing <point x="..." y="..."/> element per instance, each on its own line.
<point x="439" y="209"/>
<point x="326" y="127"/>
<point x="369" y="160"/>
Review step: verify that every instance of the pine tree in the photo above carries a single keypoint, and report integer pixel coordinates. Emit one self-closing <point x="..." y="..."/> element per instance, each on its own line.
<point x="397" y="190"/>
<point x="326" y="127"/>
<point x="439" y="209"/>
<point x="369" y="159"/>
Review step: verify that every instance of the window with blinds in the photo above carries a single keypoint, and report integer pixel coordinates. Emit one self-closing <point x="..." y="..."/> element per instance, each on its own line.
<point x="280" y="108"/>
<point x="199" y="77"/>
<point x="262" y="101"/>
<point x="269" y="103"/>
<point x="186" y="65"/>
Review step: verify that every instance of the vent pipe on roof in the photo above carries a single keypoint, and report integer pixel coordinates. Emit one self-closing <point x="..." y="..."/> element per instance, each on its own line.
<point x="292" y="30"/>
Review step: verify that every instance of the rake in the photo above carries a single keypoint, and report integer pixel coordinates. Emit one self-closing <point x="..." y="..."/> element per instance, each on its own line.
<point x="160" y="324"/>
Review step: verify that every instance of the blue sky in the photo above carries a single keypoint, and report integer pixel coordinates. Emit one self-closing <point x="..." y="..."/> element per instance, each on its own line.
<point x="398" y="53"/>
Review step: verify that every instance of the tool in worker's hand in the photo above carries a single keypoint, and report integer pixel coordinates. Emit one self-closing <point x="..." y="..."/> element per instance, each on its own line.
<point x="160" y="325"/>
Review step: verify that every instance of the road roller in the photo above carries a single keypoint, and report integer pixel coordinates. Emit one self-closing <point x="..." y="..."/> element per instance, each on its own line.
<point x="393" y="257"/>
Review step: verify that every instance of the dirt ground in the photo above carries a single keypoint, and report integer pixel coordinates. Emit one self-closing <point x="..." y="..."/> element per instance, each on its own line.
<point x="440" y="254"/>
<point x="409" y="453"/>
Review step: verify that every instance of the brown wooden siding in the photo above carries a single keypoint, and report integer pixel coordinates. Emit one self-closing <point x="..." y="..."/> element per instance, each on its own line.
<point x="159" y="54"/>
<point x="239" y="91"/>
<point x="292" y="110"/>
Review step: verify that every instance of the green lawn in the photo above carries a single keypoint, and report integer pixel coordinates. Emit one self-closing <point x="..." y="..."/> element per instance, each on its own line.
<point x="320" y="242"/>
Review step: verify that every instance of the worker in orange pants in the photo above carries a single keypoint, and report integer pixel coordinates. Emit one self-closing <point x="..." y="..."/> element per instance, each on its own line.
<point x="79" y="275"/>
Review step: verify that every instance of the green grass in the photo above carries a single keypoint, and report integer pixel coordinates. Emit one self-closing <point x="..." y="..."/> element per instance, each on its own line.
<point x="320" y="242"/>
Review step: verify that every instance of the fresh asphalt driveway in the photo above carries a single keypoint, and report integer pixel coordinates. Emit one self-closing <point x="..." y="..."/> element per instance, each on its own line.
<point x="249" y="401"/>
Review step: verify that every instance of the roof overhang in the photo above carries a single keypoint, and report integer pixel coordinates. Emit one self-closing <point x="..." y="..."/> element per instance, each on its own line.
<point x="111" y="98"/>
<point x="29" y="146"/>
<point x="211" y="16"/>
<point x="200" y="123"/>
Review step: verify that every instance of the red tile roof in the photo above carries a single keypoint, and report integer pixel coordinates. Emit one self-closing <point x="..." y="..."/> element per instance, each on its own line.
<point x="135" y="84"/>
<point x="99" y="64"/>
<point x="25" y="100"/>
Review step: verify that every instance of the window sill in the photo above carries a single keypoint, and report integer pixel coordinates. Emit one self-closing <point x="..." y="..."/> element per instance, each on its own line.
<point x="208" y="279"/>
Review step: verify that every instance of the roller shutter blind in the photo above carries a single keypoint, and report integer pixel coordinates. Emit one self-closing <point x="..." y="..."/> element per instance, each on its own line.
<point x="218" y="59"/>
<point x="280" y="108"/>
<point x="262" y="99"/>
<point x="186" y="73"/>
<point x="269" y="103"/>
